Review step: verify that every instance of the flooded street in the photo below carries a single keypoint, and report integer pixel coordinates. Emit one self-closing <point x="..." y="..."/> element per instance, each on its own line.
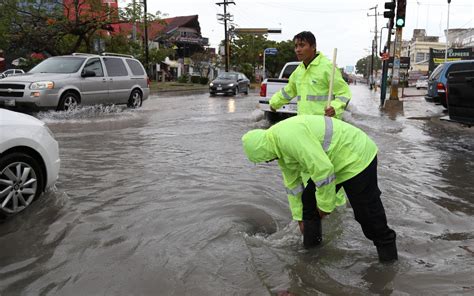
<point x="162" y="201"/>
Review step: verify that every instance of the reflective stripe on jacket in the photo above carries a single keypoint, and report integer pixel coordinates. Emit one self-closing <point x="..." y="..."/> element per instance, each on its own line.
<point x="329" y="150"/>
<point x="310" y="86"/>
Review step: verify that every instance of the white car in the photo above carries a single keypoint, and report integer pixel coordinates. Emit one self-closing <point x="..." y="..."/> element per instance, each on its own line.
<point x="11" y="72"/>
<point x="422" y="82"/>
<point x="29" y="160"/>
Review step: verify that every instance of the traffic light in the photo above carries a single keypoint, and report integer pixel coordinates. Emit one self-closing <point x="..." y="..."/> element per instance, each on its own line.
<point x="390" y="13"/>
<point x="260" y="57"/>
<point x="401" y="8"/>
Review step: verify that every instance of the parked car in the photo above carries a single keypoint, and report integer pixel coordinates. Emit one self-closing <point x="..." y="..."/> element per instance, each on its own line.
<point x="64" y="82"/>
<point x="230" y="83"/>
<point x="11" y="72"/>
<point x="422" y="82"/>
<point x="437" y="83"/>
<point x="461" y="96"/>
<point x="29" y="160"/>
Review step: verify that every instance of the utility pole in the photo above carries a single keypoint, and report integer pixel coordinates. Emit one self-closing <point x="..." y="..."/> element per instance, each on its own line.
<point x="390" y="14"/>
<point x="394" y="103"/>
<point x="145" y="22"/>
<point x="134" y="25"/>
<point x="226" y="17"/>
<point x="447" y="34"/>
<point x="374" y="50"/>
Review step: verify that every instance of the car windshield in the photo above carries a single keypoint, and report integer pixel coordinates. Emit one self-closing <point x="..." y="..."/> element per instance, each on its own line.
<point x="423" y="78"/>
<point x="59" y="65"/>
<point x="230" y="76"/>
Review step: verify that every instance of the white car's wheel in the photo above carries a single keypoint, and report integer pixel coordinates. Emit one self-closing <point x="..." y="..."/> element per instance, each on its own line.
<point x="21" y="181"/>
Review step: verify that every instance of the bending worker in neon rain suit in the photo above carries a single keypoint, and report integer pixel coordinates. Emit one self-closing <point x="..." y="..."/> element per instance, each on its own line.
<point x="309" y="83"/>
<point x="334" y="154"/>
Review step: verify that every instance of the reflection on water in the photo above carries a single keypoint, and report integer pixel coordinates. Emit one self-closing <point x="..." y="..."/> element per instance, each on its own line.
<point x="161" y="200"/>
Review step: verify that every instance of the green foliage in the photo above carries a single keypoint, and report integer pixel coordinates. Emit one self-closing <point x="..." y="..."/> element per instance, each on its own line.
<point x="156" y="55"/>
<point x="203" y="80"/>
<point x="363" y="65"/>
<point x="286" y="54"/>
<point x="195" y="79"/>
<point x="183" y="78"/>
<point x="201" y="63"/>
<point x="55" y="28"/>
<point x="247" y="69"/>
<point x="246" y="50"/>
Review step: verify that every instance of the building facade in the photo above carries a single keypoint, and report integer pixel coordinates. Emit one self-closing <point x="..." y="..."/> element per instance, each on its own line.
<point x="418" y="49"/>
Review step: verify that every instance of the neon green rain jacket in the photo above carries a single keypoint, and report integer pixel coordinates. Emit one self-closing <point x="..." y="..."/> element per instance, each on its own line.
<point x="311" y="87"/>
<point x="329" y="150"/>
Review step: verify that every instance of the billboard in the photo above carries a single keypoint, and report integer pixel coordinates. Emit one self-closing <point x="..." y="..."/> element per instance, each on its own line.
<point x="454" y="54"/>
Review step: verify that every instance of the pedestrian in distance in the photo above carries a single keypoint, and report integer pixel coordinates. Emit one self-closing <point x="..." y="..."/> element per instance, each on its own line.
<point x="310" y="82"/>
<point x="334" y="154"/>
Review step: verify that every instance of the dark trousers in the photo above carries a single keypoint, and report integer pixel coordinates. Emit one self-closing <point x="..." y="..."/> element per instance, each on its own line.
<point x="364" y="195"/>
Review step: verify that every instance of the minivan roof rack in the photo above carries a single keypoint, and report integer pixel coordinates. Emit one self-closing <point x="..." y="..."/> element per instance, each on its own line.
<point x="82" y="53"/>
<point x="117" y="55"/>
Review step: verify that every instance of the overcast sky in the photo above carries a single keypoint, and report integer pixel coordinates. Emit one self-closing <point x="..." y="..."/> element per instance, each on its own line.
<point x="343" y="24"/>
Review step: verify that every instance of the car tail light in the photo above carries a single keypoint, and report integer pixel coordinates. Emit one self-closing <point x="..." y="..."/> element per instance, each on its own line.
<point x="263" y="90"/>
<point x="440" y="87"/>
<point x="148" y="81"/>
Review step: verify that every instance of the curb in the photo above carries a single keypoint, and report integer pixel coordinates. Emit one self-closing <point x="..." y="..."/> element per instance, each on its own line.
<point x="180" y="91"/>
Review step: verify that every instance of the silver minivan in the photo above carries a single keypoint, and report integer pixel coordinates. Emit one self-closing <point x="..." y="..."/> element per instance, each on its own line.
<point x="64" y="82"/>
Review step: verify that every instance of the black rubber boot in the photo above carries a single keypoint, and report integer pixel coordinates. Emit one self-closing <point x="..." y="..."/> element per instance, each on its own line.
<point x="388" y="253"/>
<point x="313" y="233"/>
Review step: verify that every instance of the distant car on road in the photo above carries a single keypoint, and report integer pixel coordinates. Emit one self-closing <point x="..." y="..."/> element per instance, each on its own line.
<point x="230" y="83"/>
<point x="29" y="161"/>
<point x="437" y="83"/>
<point x="422" y="82"/>
<point x="11" y="72"/>
<point x="64" y="82"/>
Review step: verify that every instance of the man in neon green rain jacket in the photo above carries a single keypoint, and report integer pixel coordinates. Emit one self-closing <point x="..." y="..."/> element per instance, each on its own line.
<point x="334" y="154"/>
<point x="310" y="82"/>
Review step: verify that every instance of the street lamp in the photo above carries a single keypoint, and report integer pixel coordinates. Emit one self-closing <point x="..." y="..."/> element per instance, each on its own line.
<point x="447" y="34"/>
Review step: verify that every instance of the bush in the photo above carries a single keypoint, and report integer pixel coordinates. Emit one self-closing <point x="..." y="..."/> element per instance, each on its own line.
<point x="203" y="80"/>
<point x="195" y="79"/>
<point x="183" y="78"/>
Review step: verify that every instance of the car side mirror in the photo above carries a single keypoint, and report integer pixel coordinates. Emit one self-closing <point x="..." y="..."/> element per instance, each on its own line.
<point x="239" y="79"/>
<point x="87" y="73"/>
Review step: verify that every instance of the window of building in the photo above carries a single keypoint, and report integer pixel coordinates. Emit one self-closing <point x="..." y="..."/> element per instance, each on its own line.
<point x="420" y="56"/>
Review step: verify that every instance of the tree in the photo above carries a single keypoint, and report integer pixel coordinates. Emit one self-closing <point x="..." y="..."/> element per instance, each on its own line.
<point x="363" y="65"/>
<point x="246" y="48"/>
<point x="157" y="56"/>
<point x="60" y="27"/>
<point x="285" y="54"/>
<point x="201" y="62"/>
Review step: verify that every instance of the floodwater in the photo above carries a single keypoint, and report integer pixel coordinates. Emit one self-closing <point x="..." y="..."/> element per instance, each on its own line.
<point x="162" y="201"/>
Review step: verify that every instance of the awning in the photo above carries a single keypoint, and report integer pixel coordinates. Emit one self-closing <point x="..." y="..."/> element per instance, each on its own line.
<point x="172" y="64"/>
<point x="17" y="62"/>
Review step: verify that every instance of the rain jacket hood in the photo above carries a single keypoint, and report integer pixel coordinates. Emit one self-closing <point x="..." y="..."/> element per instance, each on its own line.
<point x="258" y="146"/>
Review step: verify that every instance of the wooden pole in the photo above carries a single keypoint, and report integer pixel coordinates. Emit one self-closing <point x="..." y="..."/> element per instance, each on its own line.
<point x="331" y="81"/>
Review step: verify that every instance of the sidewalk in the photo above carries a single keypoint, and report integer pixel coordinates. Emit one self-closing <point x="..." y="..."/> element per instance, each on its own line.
<point x="414" y="104"/>
<point x="167" y="87"/>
